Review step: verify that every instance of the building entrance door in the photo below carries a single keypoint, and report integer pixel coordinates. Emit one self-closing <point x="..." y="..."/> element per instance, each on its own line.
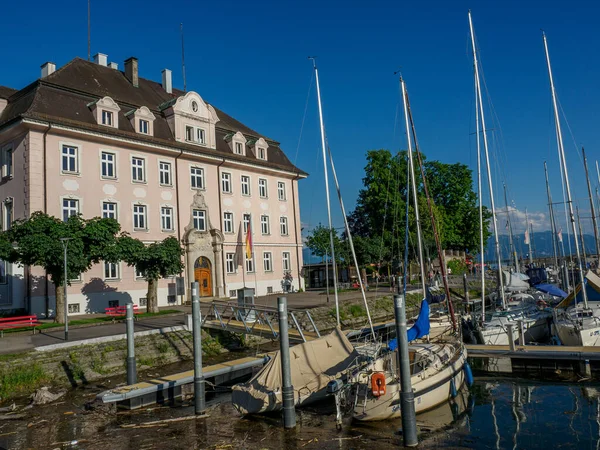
<point x="203" y="275"/>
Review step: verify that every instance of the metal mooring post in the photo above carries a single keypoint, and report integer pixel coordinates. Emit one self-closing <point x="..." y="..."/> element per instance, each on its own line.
<point x="521" y="332"/>
<point x="131" y="367"/>
<point x="466" y="288"/>
<point x="511" y="337"/>
<point x="289" y="412"/>
<point x="407" y="396"/>
<point x="199" y="394"/>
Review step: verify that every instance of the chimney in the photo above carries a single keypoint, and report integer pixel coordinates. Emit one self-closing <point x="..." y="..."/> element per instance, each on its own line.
<point x="100" y="59"/>
<point x="48" y="68"/>
<point x="113" y="65"/>
<point x="131" y="70"/>
<point x="167" y="81"/>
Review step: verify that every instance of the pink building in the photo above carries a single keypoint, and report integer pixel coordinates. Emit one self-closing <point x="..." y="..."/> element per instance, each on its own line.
<point x="90" y="139"/>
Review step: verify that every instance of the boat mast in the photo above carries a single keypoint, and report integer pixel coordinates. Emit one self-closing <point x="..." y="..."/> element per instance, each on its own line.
<point x="350" y="241"/>
<point x="414" y="189"/>
<point x="561" y="151"/>
<point x="487" y="159"/>
<point x="581" y="234"/>
<point x="331" y="242"/>
<point x="480" y="195"/>
<point x="510" y="232"/>
<point x="592" y="206"/>
<point x="555" y="246"/>
<point x="529" y="237"/>
<point x="433" y="222"/>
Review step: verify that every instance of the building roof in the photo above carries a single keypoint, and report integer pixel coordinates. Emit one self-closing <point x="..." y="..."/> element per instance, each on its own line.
<point x="63" y="98"/>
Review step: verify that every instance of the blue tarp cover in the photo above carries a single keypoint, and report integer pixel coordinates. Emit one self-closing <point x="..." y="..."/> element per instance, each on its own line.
<point x="419" y="329"/>
<point x="551" y="289"/>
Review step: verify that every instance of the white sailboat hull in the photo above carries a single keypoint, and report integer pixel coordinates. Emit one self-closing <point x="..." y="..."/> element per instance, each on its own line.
<point x="535" y="331"/>
<point x="432" y="387"/>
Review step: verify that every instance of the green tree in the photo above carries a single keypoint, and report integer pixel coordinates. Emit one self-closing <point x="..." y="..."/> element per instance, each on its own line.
<point x="36" y="242"/>
<point x="157" y="260"/>
<point x="319" y="244"/>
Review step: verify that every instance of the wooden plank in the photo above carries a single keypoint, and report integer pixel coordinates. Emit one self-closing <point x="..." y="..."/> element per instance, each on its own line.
<point x="178" y="376"/>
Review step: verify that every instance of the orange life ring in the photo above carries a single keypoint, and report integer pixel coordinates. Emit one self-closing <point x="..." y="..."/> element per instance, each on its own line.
<point x="378" y="384"/>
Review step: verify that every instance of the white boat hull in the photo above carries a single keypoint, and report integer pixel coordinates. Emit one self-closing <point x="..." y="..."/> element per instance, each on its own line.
<point x="431" y="390"/>
<point x="535" y="331"/>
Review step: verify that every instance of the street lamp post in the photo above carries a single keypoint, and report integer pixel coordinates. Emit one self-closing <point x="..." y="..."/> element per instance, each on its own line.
<point x="65" y="243"/>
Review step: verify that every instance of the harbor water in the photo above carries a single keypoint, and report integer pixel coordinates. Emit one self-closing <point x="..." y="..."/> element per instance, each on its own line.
<point x="496" y="413"/>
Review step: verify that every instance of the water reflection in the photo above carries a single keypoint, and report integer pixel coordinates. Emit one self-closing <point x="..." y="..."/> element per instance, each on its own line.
<point x="494" y="414"/>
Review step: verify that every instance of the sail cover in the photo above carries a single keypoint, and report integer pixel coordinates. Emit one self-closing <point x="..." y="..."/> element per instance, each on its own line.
<point x="551" y="289"/>
<point x="419" y="329"/>
<point x="515" y="281"/>
<point x="313" y="365"/>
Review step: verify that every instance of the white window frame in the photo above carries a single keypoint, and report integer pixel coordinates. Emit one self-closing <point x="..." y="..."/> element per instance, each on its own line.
<point x="249" y="264"/>
<point x="107" y="118"/>
<point x="238" y="148"/>
<point x="246" y="223"/>
<point x="166" y="218"/>
<point x="268" y="261"/>
<point x="286" y="261"/>
<point x="114" y="271"/>
<point x="284" y="228"/>
<point x="106" y="213"/>
<point x="72" y="211"/>
<point x="281" y="191"/>
<point x="8" y="214"/>
<point x="263" y="188"/>
<point x="198" y="135"/>
<point x="108" y="164"/>
<point x="137" y="168"/>
<point x="196" y="177"/>
<point x="198" y="216"/>
<point x="137" y="274"/>
<point x="8" y="161"/>
<point x="265" y="226"/>
<point x="143" y="216"/>
<point x="230" y="266"/>
<point x="165" y="177"/>
<point x="245" y="184"/>
<point x="261" y="153"/>
<point x="227" y="218"/>
<point x="226" y="178"/>
<point x="74" y="157"/>
<point x="144" y="126"/>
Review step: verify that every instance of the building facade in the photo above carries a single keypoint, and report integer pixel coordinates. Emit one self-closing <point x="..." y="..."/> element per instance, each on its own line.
<point x="93" y="140"/>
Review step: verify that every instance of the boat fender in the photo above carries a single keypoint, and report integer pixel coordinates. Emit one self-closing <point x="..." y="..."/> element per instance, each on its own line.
<point x="378" y="384"/>
<point x="453" y="392"/>
<point x="468" y="374"/>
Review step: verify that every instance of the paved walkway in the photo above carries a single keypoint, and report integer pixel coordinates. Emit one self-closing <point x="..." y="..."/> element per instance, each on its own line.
<point x="23" y="341"/>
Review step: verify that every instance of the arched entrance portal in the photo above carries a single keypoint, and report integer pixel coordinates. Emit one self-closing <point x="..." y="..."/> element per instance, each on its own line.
<point x="203" y="275"/>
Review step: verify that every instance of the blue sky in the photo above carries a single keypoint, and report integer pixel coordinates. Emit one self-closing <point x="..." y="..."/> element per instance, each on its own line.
<point x="250" y="59"/>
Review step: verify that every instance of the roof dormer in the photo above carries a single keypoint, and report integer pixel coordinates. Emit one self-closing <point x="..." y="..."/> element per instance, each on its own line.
<point x="237" y="143"/>
<point x="106" y="112"/>
<point x="192" y="120"/>
<point x="142" y="120"/>
<point x="260" y="147"/>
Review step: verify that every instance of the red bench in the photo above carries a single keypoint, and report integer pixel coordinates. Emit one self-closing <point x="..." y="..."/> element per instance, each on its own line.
<point x="120" y="311"/>
<point x="18" y="322"/>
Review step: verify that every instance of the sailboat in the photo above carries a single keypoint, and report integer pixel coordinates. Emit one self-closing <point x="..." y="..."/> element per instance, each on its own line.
<point x="521" y="310"/>
<point x="577" y="325"/>
<point x="437" y="369"/>
<point x="314" y="363"/>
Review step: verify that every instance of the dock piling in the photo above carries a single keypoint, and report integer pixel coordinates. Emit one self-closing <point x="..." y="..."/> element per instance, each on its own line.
<point x="289" y="411"/>
<point x="466" y="289"/>
<point x="407" y="396"/>
<point x="521" y="332"/>
<point x="511" y="337"/>
<point x="199" y="394"/>
<point x="131" y="366"/>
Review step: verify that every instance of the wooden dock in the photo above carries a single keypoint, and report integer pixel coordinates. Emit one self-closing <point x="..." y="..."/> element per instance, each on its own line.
<point x="167" y="388"/>
<point x="535" y="359"/>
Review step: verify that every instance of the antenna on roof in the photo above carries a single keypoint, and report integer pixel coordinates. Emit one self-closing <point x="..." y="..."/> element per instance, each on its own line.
<point x="183" y="60"/>
<point x="89" y="39"/>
